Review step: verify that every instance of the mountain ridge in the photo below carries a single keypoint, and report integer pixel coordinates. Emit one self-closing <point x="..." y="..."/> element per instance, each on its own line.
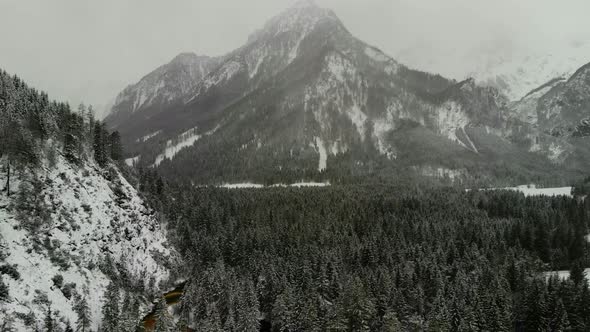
<point x="303" y="85"/>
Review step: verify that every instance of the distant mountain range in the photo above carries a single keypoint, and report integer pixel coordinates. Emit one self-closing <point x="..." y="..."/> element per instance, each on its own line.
<point x="304" y="99"/>
<point x="514" y="70"/>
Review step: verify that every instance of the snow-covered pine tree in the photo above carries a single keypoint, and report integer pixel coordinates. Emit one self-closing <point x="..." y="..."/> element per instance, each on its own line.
<point x="3" y="290"/>
<point x="110" y="309"/>
<point x="83" y="311"/>
<point x="129" y="313"/>
<point x="247" y="313"/>
<point x="90" y="119"/>
<point x="115" y="147"/>
<point x="164" y="321"/>
<point x="48" y="321"/>
<point x="100" y="144"/>
<point x="73" y="137"/>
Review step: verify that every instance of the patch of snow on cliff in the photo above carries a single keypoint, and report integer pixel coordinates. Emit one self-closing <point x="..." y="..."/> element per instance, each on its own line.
<point x="450" y="118"/>
<point x="184" y="140"/>
<point x="322" y="164"/>
<point x="132" y="161"/>
<point x="148" y="136"/>
<point x="555" y="152"/>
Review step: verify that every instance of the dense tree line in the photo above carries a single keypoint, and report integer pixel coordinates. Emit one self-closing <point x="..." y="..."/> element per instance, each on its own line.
<point x="377" y="259"/>
<point x="29" y="122"/>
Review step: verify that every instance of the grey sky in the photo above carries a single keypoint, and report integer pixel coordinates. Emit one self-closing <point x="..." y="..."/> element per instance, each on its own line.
<point x="89" y="50"/>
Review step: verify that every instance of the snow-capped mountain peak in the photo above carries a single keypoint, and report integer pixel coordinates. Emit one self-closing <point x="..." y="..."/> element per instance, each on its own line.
<point x="305" y="4"/>
<point x="302" y="17"/>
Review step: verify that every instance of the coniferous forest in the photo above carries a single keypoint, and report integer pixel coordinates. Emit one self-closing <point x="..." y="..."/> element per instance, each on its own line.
<point x="396" y="243"/>
<point x="377" y="258"/>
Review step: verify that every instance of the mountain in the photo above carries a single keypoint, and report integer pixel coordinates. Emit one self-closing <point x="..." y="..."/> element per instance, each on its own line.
<point x="165" y="87"/>
<point x="305" y="99"/>
<point x="559" y="113"/>
<point x="514" y="70"/>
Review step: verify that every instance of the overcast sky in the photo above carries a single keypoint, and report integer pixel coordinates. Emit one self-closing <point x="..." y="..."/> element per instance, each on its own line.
<point x="90" y="49"/>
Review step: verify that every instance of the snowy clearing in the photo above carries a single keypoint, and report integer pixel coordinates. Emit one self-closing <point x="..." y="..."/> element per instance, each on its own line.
<point x="532" y="190"/>
<point x="565" y="274"/>
<point x="248" y="185"/>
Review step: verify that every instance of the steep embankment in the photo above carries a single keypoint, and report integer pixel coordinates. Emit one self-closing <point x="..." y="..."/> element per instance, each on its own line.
<point x="95" y="226"/>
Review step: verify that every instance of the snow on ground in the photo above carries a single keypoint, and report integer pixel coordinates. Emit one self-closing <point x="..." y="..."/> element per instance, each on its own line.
<point x="310" y="184"/>
<point x="565" y="274"/>
<point x="89" y="220"/>
<point x="532" y="190"/>
<point x="249" y="185"/>
<point x="241" y="186"/>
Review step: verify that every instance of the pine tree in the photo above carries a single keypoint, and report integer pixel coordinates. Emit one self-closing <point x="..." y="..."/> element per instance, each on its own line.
<point x="129" y="313"/>
<point x="360" y="309"/>
<point x="73" y="137"/>
<point x="90" y="121"/>
<point x="247" y="308"/>
<point x="559" y="321"/>
<point x="83" y="311"/>
<point x="48" y="321"/>
<point x="116" y="149"/>
<point x="110" y="309"/>
<point x="100" y="144"/>
<point x="4" y="294"/>
<point x="439" y="316"/>
<point x="577" y="273"/>
<point x="391" y="323"/>
<point x="164" y="321"/>
<point x="212" y="322"/>
<point x="283" y="312"/>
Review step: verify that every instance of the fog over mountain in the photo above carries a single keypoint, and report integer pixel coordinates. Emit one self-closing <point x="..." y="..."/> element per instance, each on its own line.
<point x="90" y="51"/>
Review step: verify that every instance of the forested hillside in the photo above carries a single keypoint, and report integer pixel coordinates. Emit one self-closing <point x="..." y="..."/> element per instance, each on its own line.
<point x="32" y="126"/>
<point x="357" y="258"/>
<point x="79" y="248"/>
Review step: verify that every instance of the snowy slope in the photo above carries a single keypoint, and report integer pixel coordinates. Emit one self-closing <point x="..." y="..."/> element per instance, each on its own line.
<point x="532" y="190"/>
<point x="520" y="73"/>
<point x="90" y="219"/>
